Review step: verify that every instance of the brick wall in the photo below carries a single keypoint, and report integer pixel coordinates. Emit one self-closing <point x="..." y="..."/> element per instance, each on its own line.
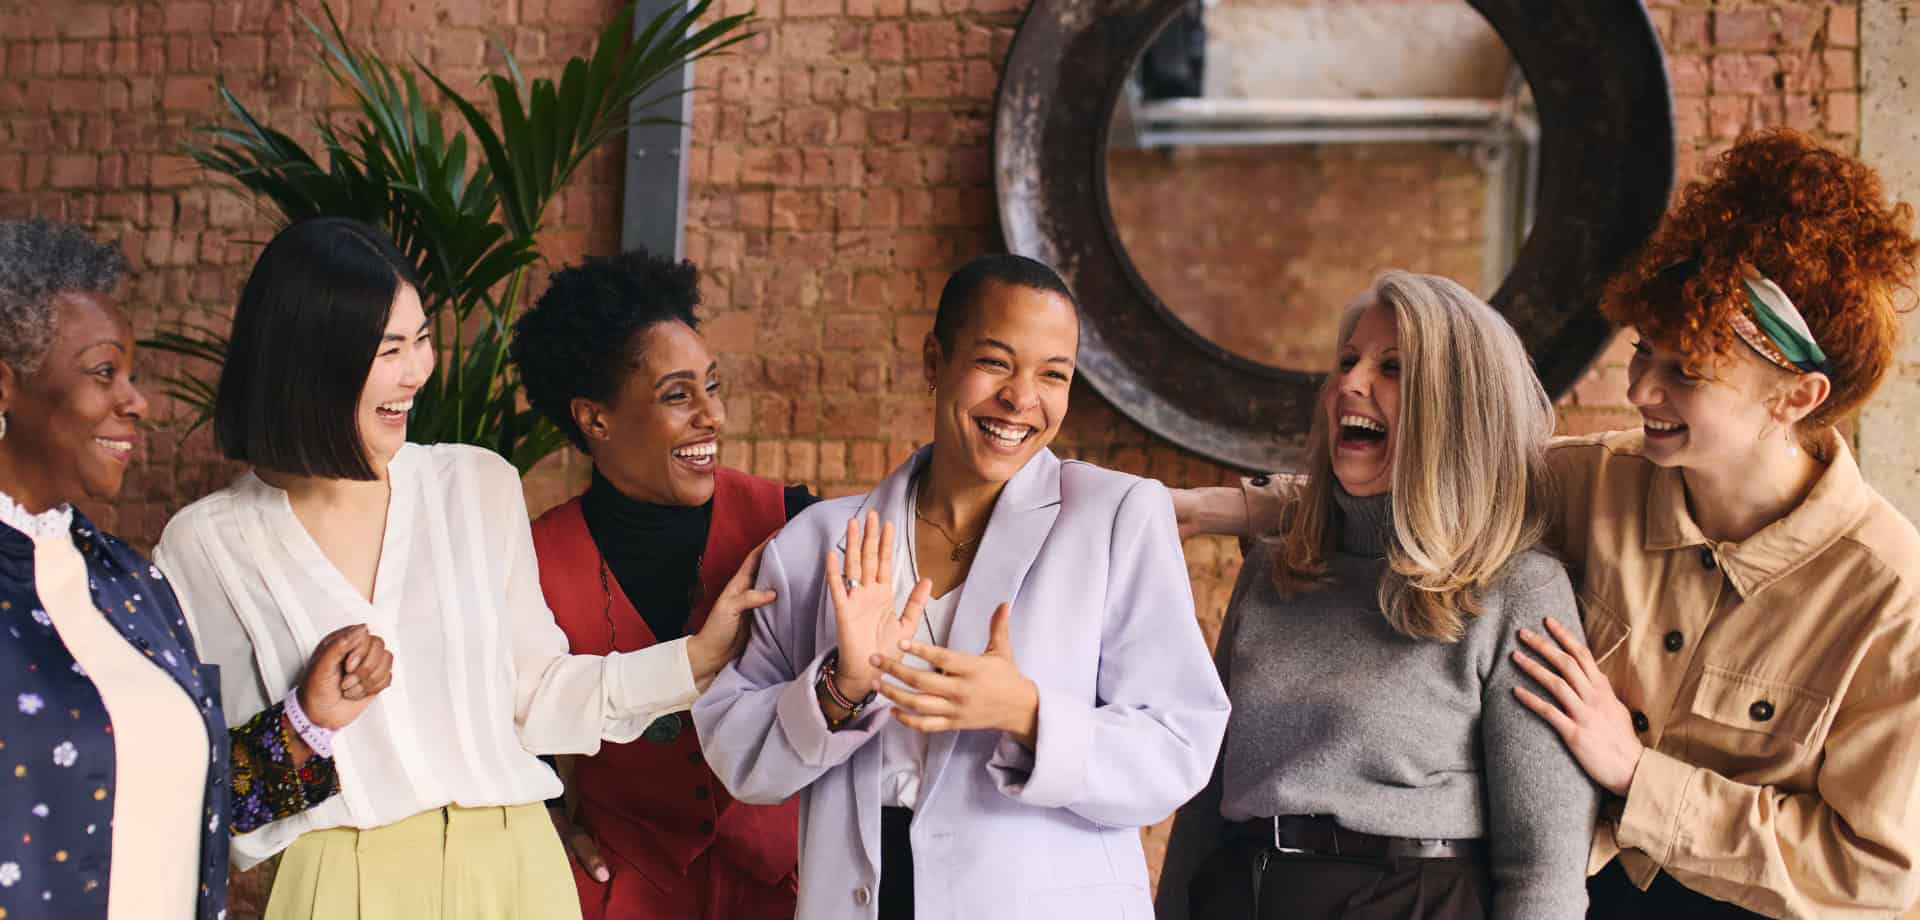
<point x="840" y="168"/>
<point x="1266" y="275"/>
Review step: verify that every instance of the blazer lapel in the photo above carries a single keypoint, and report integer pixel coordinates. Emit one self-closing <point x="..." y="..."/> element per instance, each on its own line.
<point x="1021" y="522"/>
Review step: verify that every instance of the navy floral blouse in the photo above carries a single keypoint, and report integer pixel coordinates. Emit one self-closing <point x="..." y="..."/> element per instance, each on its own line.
<point x="56" y="742"/>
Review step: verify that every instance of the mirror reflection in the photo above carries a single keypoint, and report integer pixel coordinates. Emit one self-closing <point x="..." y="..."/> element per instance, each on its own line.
<point x="1269" y="157"/>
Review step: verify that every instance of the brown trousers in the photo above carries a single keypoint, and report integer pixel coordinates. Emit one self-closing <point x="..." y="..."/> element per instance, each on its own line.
<point x="1249" y="881"/>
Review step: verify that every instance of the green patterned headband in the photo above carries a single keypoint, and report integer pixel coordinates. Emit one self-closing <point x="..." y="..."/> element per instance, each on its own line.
<point x="1776" y="329"/>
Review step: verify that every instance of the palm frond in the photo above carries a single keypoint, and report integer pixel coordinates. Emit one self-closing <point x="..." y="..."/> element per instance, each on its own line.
<point x="465" y="204"/>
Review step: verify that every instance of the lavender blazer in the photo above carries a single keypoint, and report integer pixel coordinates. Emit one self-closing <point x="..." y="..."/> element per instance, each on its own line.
<point x="1131" y="709"/>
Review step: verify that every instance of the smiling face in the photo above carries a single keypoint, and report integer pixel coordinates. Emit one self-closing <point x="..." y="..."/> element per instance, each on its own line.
<point x="73" y="425"/>
<point x="401" y="367"/>
<point x="659" y="439"/>
<point x="1361" y="401"/>
<point x="1711" y="420"/>
<point x="1001" y="394"/>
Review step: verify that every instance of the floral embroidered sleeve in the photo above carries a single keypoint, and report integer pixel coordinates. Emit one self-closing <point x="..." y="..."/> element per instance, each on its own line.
<point x="266" y="784"/>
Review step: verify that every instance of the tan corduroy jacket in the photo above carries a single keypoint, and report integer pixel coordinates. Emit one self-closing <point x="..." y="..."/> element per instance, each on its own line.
<point x="1775" y="681"/>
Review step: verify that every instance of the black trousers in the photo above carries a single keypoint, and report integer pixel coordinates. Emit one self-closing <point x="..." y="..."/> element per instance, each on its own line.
<point x="896" y="864"/>
<point x="1611" y="897"/>
<point x="1250" y="881"/>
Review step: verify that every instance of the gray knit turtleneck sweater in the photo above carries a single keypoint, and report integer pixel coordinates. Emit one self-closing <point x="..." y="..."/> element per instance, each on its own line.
<point x="1336" y="714"/>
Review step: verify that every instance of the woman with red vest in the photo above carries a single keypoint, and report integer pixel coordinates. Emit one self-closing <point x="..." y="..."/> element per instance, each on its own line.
<point x="611" y="354"/>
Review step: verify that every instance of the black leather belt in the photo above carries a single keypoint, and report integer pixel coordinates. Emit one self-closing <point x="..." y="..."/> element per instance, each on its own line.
<point x="1319" y="835"/>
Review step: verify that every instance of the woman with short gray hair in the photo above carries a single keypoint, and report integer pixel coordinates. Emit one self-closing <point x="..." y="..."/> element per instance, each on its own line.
<point x="106" y="715"/>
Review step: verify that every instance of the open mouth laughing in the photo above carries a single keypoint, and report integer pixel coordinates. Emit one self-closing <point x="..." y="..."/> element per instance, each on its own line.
<point x="394" y="412"/>
<point x="120" y="448"/>
<point x="1361" y="432"/>
<point x="1658" y="429"/>
<point x="1003" y="436"/>
<point x="699" y="456"/>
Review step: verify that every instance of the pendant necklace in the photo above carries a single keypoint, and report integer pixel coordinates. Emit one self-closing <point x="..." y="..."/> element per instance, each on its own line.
<point x="959" y="548"/>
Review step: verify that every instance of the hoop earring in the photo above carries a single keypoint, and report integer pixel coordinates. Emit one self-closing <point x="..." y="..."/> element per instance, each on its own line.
<point x="3" y="426"/>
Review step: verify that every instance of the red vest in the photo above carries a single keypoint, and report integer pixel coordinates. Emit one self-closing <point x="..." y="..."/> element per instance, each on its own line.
<point x="658" y="806"/>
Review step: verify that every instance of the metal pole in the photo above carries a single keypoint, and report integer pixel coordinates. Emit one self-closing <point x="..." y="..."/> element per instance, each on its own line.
<point x="654" y="214"/>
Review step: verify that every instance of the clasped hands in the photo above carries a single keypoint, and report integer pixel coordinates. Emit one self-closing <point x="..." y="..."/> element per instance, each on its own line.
<point x="962" y="691"/>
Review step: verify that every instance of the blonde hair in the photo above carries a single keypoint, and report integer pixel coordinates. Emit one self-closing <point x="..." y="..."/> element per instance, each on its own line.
<point x="1469" y="472"/>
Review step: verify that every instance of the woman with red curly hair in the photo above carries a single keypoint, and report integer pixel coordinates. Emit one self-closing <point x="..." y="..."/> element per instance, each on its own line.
<point x="1750" y="678"/>
<point x="1749" y="684"/>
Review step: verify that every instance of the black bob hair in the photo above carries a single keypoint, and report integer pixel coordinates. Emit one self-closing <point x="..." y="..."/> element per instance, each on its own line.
<point x="305" y="333"/>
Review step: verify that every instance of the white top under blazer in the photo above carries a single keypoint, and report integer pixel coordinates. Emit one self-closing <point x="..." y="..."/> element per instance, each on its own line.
<point x="481" y="676"/>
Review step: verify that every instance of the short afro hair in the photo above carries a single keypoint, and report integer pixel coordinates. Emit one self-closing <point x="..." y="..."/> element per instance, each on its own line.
<point x="578" y="341"/>
<point x="40" y="260"/>
<point x="1813" y="221"/>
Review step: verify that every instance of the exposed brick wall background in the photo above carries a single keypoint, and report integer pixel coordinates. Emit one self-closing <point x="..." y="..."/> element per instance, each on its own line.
<point x="1258" y="248"/>
<point x="840" y="168"/>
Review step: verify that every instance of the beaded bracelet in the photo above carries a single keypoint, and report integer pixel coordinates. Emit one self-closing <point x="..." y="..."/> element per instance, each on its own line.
<point x="829" y="669"/>
<point x="320" y="739"/>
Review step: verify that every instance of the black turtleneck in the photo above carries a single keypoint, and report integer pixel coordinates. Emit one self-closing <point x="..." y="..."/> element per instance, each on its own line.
<point x="654" y="550"/>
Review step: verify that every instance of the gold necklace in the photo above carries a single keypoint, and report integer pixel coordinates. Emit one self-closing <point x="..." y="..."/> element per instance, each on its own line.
<point x="958" y="547"/>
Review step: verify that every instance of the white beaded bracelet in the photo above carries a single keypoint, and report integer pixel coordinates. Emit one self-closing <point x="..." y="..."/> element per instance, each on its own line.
<point x="320" y="739"/>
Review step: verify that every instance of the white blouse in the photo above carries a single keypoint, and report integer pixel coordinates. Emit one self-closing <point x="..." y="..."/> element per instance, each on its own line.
<point x="903" y="750"/>
<point x="481" y="676"/>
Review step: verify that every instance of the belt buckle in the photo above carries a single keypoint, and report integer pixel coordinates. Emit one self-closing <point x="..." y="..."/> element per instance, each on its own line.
<point x="1292" y="851"/>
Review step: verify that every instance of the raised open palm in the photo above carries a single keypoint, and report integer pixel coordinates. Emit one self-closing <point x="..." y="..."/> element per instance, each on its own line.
<point x="861" y="586"/>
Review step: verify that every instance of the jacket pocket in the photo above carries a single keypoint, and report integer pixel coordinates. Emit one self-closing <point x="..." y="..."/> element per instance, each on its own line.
<point x="1744" y="723"/>
<point x="1606" y="631"/>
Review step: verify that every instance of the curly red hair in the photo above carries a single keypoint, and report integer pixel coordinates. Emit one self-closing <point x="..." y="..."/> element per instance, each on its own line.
<point x="1812" y="220"/>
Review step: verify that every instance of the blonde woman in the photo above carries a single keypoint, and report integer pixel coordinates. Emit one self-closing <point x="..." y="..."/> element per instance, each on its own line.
<point x="1374" y="764"/>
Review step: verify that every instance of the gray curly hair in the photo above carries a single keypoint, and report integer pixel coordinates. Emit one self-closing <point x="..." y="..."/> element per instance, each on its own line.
<point x="40" y="259"/>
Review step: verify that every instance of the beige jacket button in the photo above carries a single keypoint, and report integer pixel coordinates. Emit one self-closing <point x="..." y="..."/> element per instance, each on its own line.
<point x="862" y="895"/>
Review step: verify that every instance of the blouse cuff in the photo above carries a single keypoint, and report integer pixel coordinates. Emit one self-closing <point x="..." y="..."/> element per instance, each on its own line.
<point x="1656" y="798"/>
<point x="266" y="784"/>
<point x="651" y="682"/>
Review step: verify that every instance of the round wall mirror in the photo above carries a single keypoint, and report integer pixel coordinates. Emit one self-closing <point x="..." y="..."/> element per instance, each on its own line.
<point x="1254" y="163"/>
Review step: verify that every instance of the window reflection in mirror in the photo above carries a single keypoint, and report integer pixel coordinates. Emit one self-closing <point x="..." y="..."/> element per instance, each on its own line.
<point x="1271" y="156"/>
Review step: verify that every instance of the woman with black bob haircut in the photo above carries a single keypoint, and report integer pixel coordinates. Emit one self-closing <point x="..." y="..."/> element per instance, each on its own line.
<point x="341" y="522"/>
<point x="612" y="354"/>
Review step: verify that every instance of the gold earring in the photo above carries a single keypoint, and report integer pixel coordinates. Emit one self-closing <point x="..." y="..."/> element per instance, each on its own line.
<point x="931" y="389"/>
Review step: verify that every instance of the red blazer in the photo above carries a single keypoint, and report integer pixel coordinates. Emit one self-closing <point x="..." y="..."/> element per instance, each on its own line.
<point x="658" y="806"/>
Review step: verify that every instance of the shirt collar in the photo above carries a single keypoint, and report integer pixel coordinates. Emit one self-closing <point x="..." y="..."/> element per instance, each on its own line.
<point x="1838" y="500"/>
<point x="53" y="522"/>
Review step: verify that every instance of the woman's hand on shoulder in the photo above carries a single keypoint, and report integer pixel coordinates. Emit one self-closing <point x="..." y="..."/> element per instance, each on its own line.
<point x="348" y="669"/>
<point x="1589" y="715"/>
<point x="724" y="635"/>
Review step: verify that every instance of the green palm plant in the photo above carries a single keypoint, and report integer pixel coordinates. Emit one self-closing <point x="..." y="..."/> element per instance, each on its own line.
<point x="471" y="229"/>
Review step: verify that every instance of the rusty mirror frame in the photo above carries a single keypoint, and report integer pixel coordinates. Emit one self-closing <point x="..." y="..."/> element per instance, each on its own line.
<point x="1599" y="81"/>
